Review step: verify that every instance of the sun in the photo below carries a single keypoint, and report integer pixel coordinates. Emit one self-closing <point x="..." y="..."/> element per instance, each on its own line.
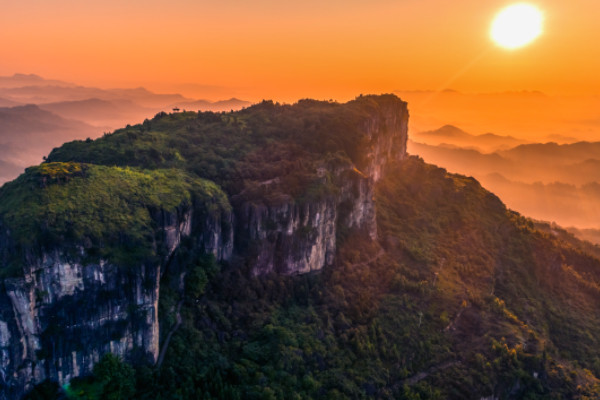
<point x="517" y="25"/>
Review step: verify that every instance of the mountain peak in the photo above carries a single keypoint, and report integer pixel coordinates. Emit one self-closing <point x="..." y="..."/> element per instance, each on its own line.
<point x="447" y="131"/>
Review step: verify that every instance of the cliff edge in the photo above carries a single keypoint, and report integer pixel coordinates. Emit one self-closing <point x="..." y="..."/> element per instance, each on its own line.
<point x="86" y="236"/>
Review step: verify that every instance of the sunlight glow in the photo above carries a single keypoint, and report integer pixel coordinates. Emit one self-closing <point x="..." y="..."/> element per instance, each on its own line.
<point x="516" y="26"/>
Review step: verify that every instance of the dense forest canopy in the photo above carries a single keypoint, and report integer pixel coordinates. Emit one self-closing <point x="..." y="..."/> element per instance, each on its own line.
<point x="457" y="298"/>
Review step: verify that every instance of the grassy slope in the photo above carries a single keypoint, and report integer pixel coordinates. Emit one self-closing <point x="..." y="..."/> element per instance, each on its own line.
<point x="108" y="210"/>
<point x="238" y="149"/>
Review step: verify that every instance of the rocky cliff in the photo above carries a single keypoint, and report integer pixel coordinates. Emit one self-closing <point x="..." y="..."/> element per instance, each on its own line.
<point x="83" y="246"/>
<point x="291" y="237"/>
<point x="71" y="300"/>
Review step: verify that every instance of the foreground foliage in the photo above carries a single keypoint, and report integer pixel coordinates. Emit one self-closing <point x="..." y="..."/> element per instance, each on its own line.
<point x="459" y="298"/>
<point x="238" y="150"/>
<point x="109" y="209"/>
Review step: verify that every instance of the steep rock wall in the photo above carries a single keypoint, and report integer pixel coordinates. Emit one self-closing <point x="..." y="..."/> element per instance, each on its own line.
<point x="295" y="238"/>
<point x="64" y="314"/>
<point x="292" y="237"/>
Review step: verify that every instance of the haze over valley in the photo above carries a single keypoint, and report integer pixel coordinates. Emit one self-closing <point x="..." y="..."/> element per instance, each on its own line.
<point x="38" y="114"/>
<point x="528" y="148"/>
<point x="277" y="200"/>
<point x="546" y="181"/>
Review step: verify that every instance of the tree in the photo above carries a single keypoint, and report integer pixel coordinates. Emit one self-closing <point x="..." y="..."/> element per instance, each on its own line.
<point x="117" y="377"/>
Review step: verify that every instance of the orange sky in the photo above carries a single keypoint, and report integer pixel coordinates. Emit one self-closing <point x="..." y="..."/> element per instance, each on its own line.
<point x="291" y="49"/>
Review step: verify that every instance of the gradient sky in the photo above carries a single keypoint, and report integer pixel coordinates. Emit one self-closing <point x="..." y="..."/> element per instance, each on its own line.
<point x="292" y="49"/>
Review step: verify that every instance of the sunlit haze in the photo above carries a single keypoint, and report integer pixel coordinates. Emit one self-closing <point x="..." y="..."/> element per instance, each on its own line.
<point x="506" y="73"/>
<point x="517" y="25"/>
<point x="294" y="49"/>
<point x="299" y="199"/>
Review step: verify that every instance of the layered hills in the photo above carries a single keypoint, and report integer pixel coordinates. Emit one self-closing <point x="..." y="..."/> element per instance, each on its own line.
<point x="28" y="132"/>
<point x="38" y="114"/>
<point x="451" y="136"/>
<point x="546" y="181"/>
<point x="284" y="251"/>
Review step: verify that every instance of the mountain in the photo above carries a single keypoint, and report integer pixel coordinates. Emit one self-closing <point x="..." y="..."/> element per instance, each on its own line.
<point x="590" y="235"/>
<point x="547" y="181"/>
<point x="466" y="161"/>
<point x="120" y="112"/>
<point x="57" y="95"/>
<point x="53" y="93"/>
<point x="37" y="114"/>
<point x="145" y="98"/>
<point x="551" y="153"/>
<point x="8" y="103"/>
<point x="21" y="80"/>
<point x="34" y="89"/>
<point x="284" y="251"/>
<point x="454" y="136"/>
<point x="564" y="203"/>
<point x="27" y="133"/>
<point x="113" y="113"/>
<point x="575" y="163"/>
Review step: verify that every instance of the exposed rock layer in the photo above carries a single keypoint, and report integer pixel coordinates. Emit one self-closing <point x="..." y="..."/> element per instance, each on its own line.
<point x="291" y="237"/>
<point x="64" y="313"/>
<point x="62" y="316"/>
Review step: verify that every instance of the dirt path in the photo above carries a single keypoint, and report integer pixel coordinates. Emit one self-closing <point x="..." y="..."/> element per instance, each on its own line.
<point x="424" y="374"/>
<point x="178" y="319"/>
<point x="163" y="351"/>
<point x="376" y="257"/>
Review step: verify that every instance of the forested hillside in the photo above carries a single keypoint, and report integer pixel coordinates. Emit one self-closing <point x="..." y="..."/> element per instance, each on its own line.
<point x="459" y="298"/>
<point x="453" y="297"/>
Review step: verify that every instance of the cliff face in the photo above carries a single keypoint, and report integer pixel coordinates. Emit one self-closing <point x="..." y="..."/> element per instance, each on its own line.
<point x="73" y="302"/>
<point x="291" y="237"/>
<point x="63" y="314"/>
<point x="65" y="310"/>
<point x="387" y="134"/>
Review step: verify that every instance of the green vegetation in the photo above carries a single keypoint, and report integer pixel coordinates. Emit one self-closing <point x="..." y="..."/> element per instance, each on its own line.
<point x="240" y="149"/>
<point x="108" y="210"/>
<point x="458" y="299"/>
<point x="112" y="380"/>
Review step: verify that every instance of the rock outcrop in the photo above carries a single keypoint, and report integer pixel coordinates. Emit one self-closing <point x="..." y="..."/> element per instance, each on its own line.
<point x="67" y="309"/>
<point x="293" y="237"/>
<point x="64" y="314"/>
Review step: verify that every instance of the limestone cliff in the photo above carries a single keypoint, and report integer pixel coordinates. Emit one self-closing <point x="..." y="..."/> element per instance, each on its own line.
<point x="66" y="308"/>
<point x="84" y="246"/>
<point x="293" y="237"/>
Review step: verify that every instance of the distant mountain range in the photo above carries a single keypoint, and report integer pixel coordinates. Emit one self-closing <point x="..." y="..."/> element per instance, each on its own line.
<point x="529" y="115"/>
<point x="100" y="112"/>
<point x="28" y="132"/>
<point x="577" y="163"/>
<point x="546" y="181"/>
<point x="553" y="153"/>
<point x="450" y="135"/>
<point x="37" y="114"/>
<point x="44" y="93"/>
<point x="8" y="103"/>
<point x="21" y="80"/>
